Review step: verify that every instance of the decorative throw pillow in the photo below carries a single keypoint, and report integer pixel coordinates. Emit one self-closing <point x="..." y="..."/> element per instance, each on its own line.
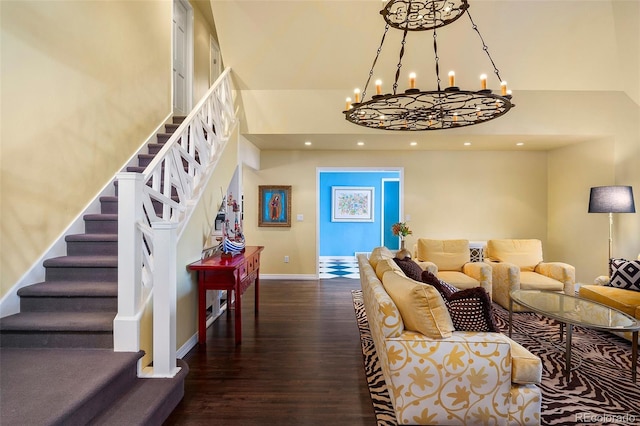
<point x="410" y="268"/>
<point x="469" y="309"/>
<point x="421" y="307"/>
<point x="625" y="274"/>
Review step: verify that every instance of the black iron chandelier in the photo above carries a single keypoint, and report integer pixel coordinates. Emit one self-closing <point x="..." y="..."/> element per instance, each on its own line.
<point x="416" y="109"/>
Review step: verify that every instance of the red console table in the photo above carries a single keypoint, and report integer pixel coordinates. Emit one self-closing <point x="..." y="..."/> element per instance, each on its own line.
<point x="233" y="274"/>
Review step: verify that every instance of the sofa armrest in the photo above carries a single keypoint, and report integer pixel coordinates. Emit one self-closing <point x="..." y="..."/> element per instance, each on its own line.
<point x="428" y="266"/>
<point x="481" y="272"/>
<point x="559" y="271"/>
<point x="505" y="278"/>
<point x="451" y="380"/>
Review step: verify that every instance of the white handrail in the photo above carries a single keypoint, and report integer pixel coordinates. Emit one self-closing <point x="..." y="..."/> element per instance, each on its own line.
<point x="153" y="208"/>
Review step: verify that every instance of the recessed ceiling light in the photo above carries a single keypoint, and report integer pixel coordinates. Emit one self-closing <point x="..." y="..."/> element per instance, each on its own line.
<point x="360" y="143"/>
<point x="307" y="143"/>
<point x="467" y="144"/>
<point x="413" y="143"/>
<point x="520" y="143"/>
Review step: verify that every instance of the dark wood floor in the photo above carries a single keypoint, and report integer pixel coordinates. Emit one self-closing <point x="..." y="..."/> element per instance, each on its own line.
<point x="300" y="362"/>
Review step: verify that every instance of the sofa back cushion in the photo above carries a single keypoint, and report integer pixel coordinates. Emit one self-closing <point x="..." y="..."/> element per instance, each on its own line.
<point x="448" y="255"/>
<point x="379" y="253"/>
<point x="420" y="305"/>
<point x="525" y="254"/>
<point x="385" y="265"/>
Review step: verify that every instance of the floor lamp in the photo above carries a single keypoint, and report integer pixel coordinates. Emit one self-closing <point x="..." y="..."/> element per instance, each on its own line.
<point x="611" y="199"/>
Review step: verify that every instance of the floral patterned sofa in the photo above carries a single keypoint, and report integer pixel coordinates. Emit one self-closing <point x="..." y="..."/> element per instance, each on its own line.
<point x="442" y="376"/>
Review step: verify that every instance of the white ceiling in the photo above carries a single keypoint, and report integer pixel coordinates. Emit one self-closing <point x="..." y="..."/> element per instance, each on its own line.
<point x="296" y="61"/>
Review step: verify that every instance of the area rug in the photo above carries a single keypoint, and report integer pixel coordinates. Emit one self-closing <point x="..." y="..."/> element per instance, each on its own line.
<point x="600" y="390"/>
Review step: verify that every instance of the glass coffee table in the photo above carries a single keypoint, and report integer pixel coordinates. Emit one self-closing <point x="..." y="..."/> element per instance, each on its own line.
<point x="570" y="311"/>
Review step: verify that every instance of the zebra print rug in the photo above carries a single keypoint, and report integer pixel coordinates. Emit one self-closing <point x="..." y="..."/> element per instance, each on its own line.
<point x="600" y="390"/>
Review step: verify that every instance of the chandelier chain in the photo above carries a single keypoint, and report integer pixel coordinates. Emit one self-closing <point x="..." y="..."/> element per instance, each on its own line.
<point x="399" y="66"/>
<point x="364" y="92"/>
<point x="436" y="57"/>
<point x="484" y="46"/>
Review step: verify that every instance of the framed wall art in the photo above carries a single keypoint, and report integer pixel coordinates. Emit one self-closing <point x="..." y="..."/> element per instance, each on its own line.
<point x="274" y="205"/>
<point x="352" y="203"/>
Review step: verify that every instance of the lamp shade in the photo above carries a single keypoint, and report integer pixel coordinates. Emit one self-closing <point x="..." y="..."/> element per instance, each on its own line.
<point x="611" y="199"/>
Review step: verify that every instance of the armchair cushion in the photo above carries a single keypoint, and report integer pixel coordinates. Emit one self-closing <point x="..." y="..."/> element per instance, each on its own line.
<point x="448" y="255"/>
<point x="458" y="279"/>
<point x="420" y="305"/>
<point x="625" y="274"/>
<point x="627" y="301"/>
<point x="525" y="254"/>
<point x="535" y="281"/>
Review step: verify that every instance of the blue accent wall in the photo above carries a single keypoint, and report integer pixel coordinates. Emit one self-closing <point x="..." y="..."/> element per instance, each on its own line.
<point x="346" y="238"/>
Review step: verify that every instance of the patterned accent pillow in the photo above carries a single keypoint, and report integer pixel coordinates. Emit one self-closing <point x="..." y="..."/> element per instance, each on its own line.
<point x="625" y="274"/>
<point x="410" y="268"/>
<point x="469" y="309"/>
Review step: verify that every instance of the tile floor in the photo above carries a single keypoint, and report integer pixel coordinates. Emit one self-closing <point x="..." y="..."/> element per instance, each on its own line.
<point x="338" y="267"/>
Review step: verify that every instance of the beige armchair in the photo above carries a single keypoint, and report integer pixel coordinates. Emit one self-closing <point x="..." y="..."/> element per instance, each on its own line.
<point x="450" y="261"/>
<point x="518" y="264"/>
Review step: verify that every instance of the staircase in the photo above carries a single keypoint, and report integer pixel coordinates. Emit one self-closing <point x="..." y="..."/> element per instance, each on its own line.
<point x="58" y="363"/>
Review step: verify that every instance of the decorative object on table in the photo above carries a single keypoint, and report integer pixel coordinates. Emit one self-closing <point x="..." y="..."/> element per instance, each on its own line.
<point x="611" y="199"/>
<point x="401" y="230"/>
<point x="274" y="205"/>
<point x="352" y="203"/>
<point x="416" y="109"/>
<point x="232" y="236"/>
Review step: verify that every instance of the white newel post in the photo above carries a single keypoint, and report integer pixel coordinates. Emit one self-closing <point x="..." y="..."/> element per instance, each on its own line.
<point x="164" y="299"/>
<point x="126" y="325"/>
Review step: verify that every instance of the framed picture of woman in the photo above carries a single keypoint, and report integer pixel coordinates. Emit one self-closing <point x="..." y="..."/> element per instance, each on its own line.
<point x="274" y="205"/>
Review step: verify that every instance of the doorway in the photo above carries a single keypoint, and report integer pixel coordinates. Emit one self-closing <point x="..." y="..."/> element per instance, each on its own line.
<point x="339" y="241"/>
<point x="182" y="48"/>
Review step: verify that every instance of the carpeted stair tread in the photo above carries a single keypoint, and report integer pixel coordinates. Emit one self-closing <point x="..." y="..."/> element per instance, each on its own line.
<point x="58" y="321"/>
<point x="82" y="262"/>
<point x="59" y="386"/>
<point x="148" y="402"/>
<point x="101" y="216"/>
<point x="70" y="289"/>
<point x="91" y="237"/>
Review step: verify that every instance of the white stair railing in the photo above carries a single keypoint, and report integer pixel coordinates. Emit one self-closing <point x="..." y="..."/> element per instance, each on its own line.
<point x="153" y="208"/>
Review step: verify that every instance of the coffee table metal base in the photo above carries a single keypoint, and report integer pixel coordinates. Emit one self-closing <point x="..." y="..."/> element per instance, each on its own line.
<point x="567" y="352"/>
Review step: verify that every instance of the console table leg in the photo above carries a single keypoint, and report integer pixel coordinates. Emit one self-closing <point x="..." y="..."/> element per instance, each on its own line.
<point x="257" y="290"/>
<point x="202" y="310"/>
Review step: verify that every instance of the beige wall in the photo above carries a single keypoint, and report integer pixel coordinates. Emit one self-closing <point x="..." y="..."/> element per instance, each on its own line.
<point x="83" y="85"/>
<point x="473" y="195"/>
<point x="201" y="36"/>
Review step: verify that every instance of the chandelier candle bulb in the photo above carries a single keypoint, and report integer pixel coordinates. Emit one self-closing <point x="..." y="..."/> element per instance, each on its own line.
<point x="348" y="103"/>
<point x="503" y="88"/>
<point x="452" y="78"/>
<point x="483" y="81"/>
<point x="412" y="80"/>
<point x="356" y="94"/>
<point x="378" y="87"/>
<point x="455" y="117"/>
